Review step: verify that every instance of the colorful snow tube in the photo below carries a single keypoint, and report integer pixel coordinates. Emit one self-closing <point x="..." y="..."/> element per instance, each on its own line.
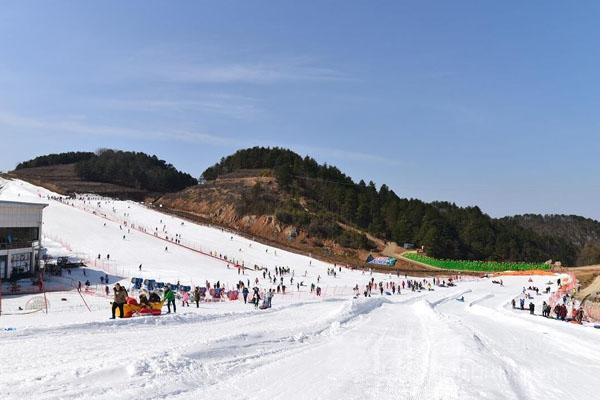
<point x="233" y="294"/>
<point x="131" y="308"/>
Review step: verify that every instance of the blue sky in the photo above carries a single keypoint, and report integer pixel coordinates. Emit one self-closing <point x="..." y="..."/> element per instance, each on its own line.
<point x="483" y="103"/>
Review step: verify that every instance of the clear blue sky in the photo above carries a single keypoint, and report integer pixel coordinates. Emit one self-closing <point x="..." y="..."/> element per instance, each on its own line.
<point x="495" y="104"/>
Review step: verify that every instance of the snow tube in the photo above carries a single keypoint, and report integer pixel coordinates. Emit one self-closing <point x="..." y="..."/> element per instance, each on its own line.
<point x="132" y="309"/>
<point x="131" y="301"/>
<point x="233" y="294"/>
<point x="597" y="326"/>
<point x="149" y="311"/>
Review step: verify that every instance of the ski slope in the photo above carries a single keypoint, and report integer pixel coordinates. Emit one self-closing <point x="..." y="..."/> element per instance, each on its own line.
<point x="417" y="345"/>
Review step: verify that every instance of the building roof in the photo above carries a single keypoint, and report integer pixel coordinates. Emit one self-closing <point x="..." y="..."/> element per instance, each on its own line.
<point x="22" y="204"/>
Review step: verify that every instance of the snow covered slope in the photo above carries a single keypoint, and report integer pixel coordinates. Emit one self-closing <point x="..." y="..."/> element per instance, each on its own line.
<point x="417" y="345"/>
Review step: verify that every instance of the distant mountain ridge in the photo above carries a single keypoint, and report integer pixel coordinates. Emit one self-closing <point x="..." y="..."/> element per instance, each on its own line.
<point x="583" y="233"/>
<point x="576" y="229"/>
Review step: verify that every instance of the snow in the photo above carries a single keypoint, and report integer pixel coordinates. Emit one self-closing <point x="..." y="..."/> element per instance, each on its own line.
<point x="414" y="345"/>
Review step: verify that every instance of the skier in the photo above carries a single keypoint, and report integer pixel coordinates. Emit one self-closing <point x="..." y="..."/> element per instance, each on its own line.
<point x="140" y="267"/>
<point x="169" y="297"/>
<point x="245" y="294"/>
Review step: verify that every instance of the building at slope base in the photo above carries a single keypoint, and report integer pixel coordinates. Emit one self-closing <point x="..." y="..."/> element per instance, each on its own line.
<point x="20" y="237"/>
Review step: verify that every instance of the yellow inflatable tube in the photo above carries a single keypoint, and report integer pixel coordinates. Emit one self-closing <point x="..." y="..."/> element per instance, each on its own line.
<point x="135" y="309"/>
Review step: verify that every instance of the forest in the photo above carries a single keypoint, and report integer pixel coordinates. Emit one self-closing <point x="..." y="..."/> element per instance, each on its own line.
<point x="56" y="159"/>
<point x="445" y="229"/>
<point x="132" y="169"/>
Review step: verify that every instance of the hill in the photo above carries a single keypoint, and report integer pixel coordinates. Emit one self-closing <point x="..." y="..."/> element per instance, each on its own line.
<point x="320" y="196"/>
<point x="320" y="201"/>
<point x="583" y="233"/>
<point x="107" y="172"/>
<point x="63" y="179"/>
<point x="250" y="201"/>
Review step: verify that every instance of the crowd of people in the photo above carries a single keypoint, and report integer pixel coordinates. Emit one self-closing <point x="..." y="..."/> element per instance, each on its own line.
<point x="560" y="309"/>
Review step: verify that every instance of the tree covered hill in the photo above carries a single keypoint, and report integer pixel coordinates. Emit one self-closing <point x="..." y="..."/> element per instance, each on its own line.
<point x="131" y="169"/>
<point x="56" y="159"/>
<point x="323" y="195"/>
<point x="584" y="233"/>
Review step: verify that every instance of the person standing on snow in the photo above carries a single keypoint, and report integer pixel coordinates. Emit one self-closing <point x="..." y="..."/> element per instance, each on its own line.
<point x="256" y="297"/>
<point x="197" y="296"/>
<point x="169" y="297"/>
<point x="119" y="300"/>
<point x="185" y="299"/>
<point x="245" y="292"/>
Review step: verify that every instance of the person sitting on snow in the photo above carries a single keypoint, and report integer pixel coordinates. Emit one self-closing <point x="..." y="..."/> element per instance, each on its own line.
<point x="154" y="297"/>
<point x="144" y="299"/>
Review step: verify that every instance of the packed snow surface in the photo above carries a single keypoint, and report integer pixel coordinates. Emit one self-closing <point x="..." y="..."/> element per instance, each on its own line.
<point x="416" y="345"/>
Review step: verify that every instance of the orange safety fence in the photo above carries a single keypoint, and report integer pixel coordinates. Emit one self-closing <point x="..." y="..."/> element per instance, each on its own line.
<point x="525" y="273"/>
<point x="567" y="287"/>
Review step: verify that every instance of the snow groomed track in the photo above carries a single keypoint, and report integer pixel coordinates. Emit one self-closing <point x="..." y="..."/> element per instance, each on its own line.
<point x="417" y="345"/>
